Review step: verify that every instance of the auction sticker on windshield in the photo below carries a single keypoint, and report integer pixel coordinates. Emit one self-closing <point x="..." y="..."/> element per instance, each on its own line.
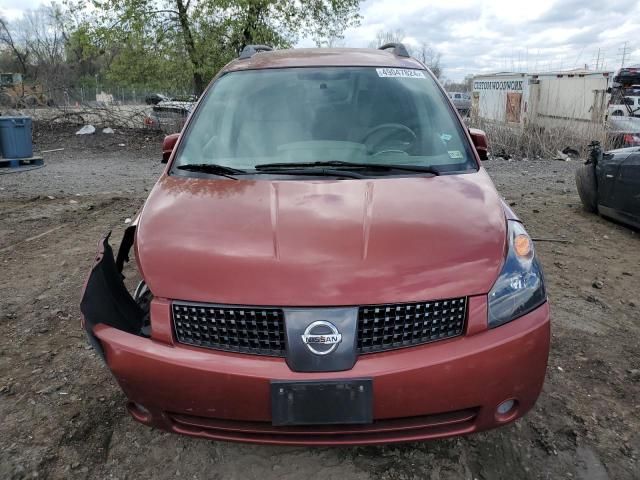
<point x="399" y="73"/>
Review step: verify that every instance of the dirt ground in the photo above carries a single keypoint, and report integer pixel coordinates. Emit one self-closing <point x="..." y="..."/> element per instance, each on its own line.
<point x="63" y="415"/>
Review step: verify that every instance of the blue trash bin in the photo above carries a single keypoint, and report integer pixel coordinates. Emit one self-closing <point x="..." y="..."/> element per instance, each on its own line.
<point x="15" y="137"/>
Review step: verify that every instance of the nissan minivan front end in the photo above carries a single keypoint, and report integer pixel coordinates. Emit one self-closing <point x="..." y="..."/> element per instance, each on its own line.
<point x="324" y="261"/>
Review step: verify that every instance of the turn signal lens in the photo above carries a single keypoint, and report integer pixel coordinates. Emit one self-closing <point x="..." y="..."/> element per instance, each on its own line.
<point x="522" y="245"/>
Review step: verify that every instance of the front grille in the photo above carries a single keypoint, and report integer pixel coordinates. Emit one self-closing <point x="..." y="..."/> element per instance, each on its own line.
<point x="235" y="329"/>
<point x="387" y="327"/>
<point x="261" y="331"/>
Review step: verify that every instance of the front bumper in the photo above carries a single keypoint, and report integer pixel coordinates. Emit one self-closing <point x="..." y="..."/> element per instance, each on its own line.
<point x="450" y="387"/>
<point x="437" y="390"/>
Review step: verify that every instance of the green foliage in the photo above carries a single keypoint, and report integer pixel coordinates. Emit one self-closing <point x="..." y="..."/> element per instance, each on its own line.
<point x="158" y="45"/>
<point x="164" y="43"/>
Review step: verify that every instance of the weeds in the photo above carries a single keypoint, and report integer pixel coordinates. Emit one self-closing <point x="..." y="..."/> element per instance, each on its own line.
<point x="532" y="141"/>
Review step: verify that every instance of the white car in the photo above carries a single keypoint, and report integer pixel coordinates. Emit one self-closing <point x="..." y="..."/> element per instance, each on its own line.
<point x="630" y="107"/>
<point x="461" y="100"/>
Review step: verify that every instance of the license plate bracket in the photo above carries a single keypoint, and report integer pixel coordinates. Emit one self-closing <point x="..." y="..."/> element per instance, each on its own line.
<point x="324" y="402"/>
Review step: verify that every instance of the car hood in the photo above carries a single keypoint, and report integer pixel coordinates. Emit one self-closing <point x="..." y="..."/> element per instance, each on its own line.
<point x="321" y="243"/>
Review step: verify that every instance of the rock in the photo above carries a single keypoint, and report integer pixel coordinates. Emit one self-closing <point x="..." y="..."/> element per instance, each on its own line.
<point x="86" y="130"/>
<point x="627" y="274"/>
<point x="598" y="284"/>
<point x="597" y="301"/>
<point x="108" y="130"/>
<point x="634" y="373"/>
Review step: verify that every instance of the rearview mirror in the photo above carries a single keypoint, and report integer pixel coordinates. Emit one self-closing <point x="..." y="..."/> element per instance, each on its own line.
<point x="168" y="144"/>
<point x="479" y="139"/>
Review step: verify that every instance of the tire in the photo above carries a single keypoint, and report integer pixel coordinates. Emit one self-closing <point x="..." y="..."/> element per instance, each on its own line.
<point x="587" y="187"/>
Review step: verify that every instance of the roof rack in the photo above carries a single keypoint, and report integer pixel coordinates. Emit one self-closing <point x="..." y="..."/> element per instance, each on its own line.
<point x="398" y="49"/>
<point x="250" y="50"/>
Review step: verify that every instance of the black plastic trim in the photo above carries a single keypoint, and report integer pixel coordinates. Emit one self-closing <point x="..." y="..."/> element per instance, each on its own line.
<point x="106" y="300"/>
<point x="250" y="50"/>
<point x="322" y="402"/>
<point x="398" y="49"/>
<point x="125" y="247"/>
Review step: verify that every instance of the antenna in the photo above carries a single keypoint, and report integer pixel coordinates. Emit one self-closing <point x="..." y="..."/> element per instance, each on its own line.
<point x="623" y="54"/>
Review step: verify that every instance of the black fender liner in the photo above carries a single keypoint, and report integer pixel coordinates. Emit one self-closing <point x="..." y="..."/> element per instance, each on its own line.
<point x="106" y="300"/>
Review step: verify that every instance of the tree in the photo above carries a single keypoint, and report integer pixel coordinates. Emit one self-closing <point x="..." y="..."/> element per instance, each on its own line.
<point x="425" y="53"/>
<point x="387" y="36"/>
<point x="19" y="52"/>
<point x="430" y="57"/>
<point x="211" y="32"/>
<point x="40" y="32"/>
<point x="465" y="86"/>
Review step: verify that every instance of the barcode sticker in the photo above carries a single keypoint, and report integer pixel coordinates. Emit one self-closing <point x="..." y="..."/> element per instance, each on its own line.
<point x="399" y="73"/>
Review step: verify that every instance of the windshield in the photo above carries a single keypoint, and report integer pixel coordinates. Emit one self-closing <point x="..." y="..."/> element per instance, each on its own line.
<point x="294" y="115"/>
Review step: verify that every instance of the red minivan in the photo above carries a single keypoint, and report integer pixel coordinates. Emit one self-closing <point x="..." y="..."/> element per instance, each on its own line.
<point x="324" y="261"/>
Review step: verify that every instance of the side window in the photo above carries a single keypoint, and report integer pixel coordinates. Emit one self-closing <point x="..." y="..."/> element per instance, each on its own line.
<point x="458" y="95"/>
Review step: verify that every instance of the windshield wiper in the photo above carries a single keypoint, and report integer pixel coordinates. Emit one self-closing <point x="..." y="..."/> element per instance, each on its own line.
<point x="314" y="172"/>
<point x="342" y="164"/>
<point x="212" y="168"/>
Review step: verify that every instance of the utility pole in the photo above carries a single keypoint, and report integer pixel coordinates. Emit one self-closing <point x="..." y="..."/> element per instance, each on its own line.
<point x="623" y="54"/>
<point x="598" y="60"/>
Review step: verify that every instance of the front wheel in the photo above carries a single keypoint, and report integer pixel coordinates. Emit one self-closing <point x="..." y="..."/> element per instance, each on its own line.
<point x="587" y="187"/>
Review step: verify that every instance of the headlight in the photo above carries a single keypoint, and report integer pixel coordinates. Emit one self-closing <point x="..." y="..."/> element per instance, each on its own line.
<point x="520" y="285"/>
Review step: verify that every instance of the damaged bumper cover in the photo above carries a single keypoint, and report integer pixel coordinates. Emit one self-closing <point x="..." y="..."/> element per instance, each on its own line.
<point x="105" y="299"/>
<point x="449" y="388"/>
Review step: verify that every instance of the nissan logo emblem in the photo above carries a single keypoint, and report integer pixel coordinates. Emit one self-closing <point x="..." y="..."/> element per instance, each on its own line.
<point x="322" y="337"/>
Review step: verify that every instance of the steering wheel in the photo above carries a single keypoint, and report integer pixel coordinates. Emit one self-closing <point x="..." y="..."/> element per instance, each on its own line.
<point x="398" y="145"/>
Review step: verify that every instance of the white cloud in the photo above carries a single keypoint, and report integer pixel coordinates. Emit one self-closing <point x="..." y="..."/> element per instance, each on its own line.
<point x="12" y="9"/>
<point x="481" y="36"/>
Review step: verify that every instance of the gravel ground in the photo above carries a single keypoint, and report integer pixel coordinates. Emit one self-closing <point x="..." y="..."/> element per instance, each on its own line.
<point x="63" y="415"/>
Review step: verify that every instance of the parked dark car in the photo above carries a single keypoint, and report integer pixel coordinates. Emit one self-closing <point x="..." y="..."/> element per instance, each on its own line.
<point x="155" y="98"/>
<point x="609" y="184"/>
<point x="325" y="261"/>
<point x="169" y="116"/>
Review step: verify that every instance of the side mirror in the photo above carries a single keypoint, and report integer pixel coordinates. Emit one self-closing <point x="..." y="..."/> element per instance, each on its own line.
<point x="168" y="144"/>
<point x="479" y="139"/>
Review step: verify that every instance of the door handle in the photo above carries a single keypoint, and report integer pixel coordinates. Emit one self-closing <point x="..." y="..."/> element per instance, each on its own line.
<point x="608" y="175"/>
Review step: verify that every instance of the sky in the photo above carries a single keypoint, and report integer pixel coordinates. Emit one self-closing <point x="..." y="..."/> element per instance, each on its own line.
<point x="478" y="36"/>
